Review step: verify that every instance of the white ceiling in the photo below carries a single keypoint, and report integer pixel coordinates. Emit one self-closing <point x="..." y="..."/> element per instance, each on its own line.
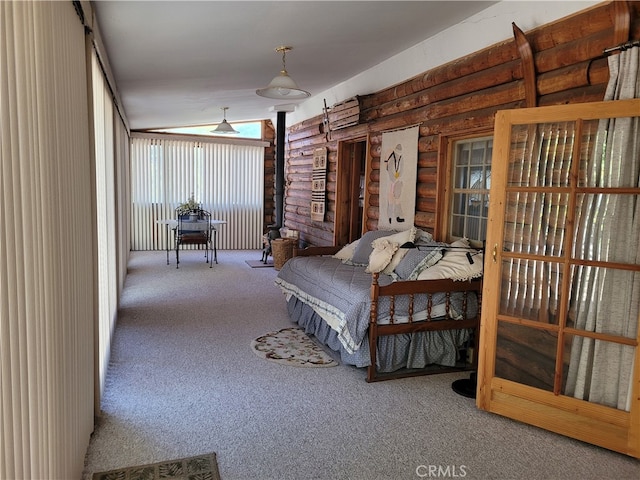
<point x="177" y="63"/>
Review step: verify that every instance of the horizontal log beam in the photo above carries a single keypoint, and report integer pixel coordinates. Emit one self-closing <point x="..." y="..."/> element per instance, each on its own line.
<point x="577" y="51"/>
<point x="475" y="120"/>
<point x="491" y="56"/>
<point x="577" y="26"/>
<point x="310" y="131"/>
<point x="573" y="76"/>
<point x="497" y="75"/>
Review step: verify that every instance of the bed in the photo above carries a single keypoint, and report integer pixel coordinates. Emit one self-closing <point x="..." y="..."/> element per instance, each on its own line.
<point x="417" y="300"/>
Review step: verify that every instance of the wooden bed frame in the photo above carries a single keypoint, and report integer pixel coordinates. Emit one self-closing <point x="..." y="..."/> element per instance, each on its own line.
<point x="412" y="288"/>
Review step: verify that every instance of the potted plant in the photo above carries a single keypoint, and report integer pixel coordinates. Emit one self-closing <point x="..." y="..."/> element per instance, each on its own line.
<point x="190" y="207"/>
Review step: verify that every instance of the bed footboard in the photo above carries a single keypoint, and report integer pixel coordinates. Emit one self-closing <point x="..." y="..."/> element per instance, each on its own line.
<point x="411" y="288"/>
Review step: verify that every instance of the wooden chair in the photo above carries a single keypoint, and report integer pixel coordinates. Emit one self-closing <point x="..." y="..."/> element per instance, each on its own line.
<point x="193" y="229"/>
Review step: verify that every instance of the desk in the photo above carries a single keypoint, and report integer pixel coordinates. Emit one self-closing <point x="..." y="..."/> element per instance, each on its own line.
<point x="197" y="225"/>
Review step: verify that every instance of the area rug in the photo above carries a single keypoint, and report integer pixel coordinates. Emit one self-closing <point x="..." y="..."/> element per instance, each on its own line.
<point x="202" y="467"/>
<point x="259" y="264"/>
<point x="291" y="346"/>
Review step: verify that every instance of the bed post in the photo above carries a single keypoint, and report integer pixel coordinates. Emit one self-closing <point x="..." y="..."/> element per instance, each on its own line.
<point x="373" y="327"/>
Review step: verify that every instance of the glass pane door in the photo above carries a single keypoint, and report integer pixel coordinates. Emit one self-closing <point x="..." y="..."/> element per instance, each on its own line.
<point x="562" y="279"/>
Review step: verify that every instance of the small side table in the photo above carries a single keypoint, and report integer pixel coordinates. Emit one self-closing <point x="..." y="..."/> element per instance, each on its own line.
<point x="172" y="224"/>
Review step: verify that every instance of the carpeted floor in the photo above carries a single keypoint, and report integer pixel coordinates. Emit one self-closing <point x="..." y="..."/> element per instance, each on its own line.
<point x="201" y="467"/>
<point x="182" y="380"/>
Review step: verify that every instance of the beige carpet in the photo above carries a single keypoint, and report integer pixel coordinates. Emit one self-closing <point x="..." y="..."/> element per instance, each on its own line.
<point x="201" y="467"/>
<point x="291" y="346"/>
<point x="183" y="380"/>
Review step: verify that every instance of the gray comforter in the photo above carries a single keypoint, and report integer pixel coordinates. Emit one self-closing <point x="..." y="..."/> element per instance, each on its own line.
<point x="340" y="294"/>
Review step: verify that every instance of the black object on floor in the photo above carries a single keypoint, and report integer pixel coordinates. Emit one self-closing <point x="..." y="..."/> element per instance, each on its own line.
<point x="466" y="386"/>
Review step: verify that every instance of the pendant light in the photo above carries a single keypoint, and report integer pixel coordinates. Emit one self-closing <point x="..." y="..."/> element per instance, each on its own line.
<point x="224" y="127"/>
<point x="282" y="87"/>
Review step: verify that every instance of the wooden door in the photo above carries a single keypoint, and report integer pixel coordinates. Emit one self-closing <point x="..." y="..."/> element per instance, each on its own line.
<point x="350" y="191"/>
<point x="558" y="276"/>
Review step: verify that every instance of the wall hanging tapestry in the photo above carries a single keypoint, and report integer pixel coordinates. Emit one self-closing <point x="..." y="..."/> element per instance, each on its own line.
<point x="319" y="184"/>
<point x="398" y="175"/>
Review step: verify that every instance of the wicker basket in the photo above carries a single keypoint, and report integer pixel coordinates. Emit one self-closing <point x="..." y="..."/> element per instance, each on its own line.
<point x="282" y="250"/>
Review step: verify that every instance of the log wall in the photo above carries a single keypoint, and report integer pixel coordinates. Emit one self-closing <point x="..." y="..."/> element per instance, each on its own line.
<point x="269" y="135"/>
<point x="460" y="96"/>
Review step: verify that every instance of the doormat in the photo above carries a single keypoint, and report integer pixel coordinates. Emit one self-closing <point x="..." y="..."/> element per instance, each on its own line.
<point x="203" y="467"/>
<point x="259" y="264"/>
<point x="291" y="346"/>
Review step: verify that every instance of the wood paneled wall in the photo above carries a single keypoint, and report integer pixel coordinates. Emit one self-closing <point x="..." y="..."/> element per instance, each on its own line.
<point x="461" y="96"/>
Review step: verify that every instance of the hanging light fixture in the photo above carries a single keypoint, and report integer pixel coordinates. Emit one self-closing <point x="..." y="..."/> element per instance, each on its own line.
<point x="224" y="127"/>
<point x="282" y="87"/>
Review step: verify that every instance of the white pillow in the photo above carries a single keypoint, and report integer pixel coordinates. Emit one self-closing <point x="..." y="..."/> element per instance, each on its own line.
<point x="455" y="263"/>
<point x="346" y="253"/>
<point x="399" y="238"/>
<point x="381" y="256"/>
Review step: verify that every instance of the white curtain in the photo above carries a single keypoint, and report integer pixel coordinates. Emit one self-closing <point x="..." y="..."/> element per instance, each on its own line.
<point x="225" y="176"/>
<point x="607" y="300"/>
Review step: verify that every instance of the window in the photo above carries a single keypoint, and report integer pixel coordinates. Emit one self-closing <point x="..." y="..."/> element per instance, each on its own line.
<point x="226" y="178"/>
<point x="245" y="130"/>
<point x="470" y="183"/>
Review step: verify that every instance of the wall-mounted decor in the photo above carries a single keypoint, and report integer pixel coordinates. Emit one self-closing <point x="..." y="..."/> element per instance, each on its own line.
<point x="326" y="122"/>
<point x="345" y="114"/>
<point x="398" y="175"/>
<point x="319" y="184"/>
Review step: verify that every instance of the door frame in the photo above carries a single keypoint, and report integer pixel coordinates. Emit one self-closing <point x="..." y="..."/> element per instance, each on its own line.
<point x="347" y="182"/>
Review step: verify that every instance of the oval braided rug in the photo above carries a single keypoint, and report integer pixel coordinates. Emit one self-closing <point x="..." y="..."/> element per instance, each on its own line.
<point x="291" y="346"/>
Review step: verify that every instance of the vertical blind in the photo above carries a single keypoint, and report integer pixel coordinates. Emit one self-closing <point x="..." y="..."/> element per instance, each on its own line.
<point x="107" y="252"/>
<point x="46" y="243"/>
<point x="535" y="217"/>
<point x="122" y="199"/>
<point x="226" y="178"/>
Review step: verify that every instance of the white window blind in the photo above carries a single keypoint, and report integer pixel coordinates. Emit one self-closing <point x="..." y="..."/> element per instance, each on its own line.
<point x="46" y="243"/>
<point x="103" y="113"/>
<point x="227" y="179"/>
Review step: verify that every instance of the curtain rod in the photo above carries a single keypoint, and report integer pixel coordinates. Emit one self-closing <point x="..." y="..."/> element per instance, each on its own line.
<point x="622" y="46"/>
